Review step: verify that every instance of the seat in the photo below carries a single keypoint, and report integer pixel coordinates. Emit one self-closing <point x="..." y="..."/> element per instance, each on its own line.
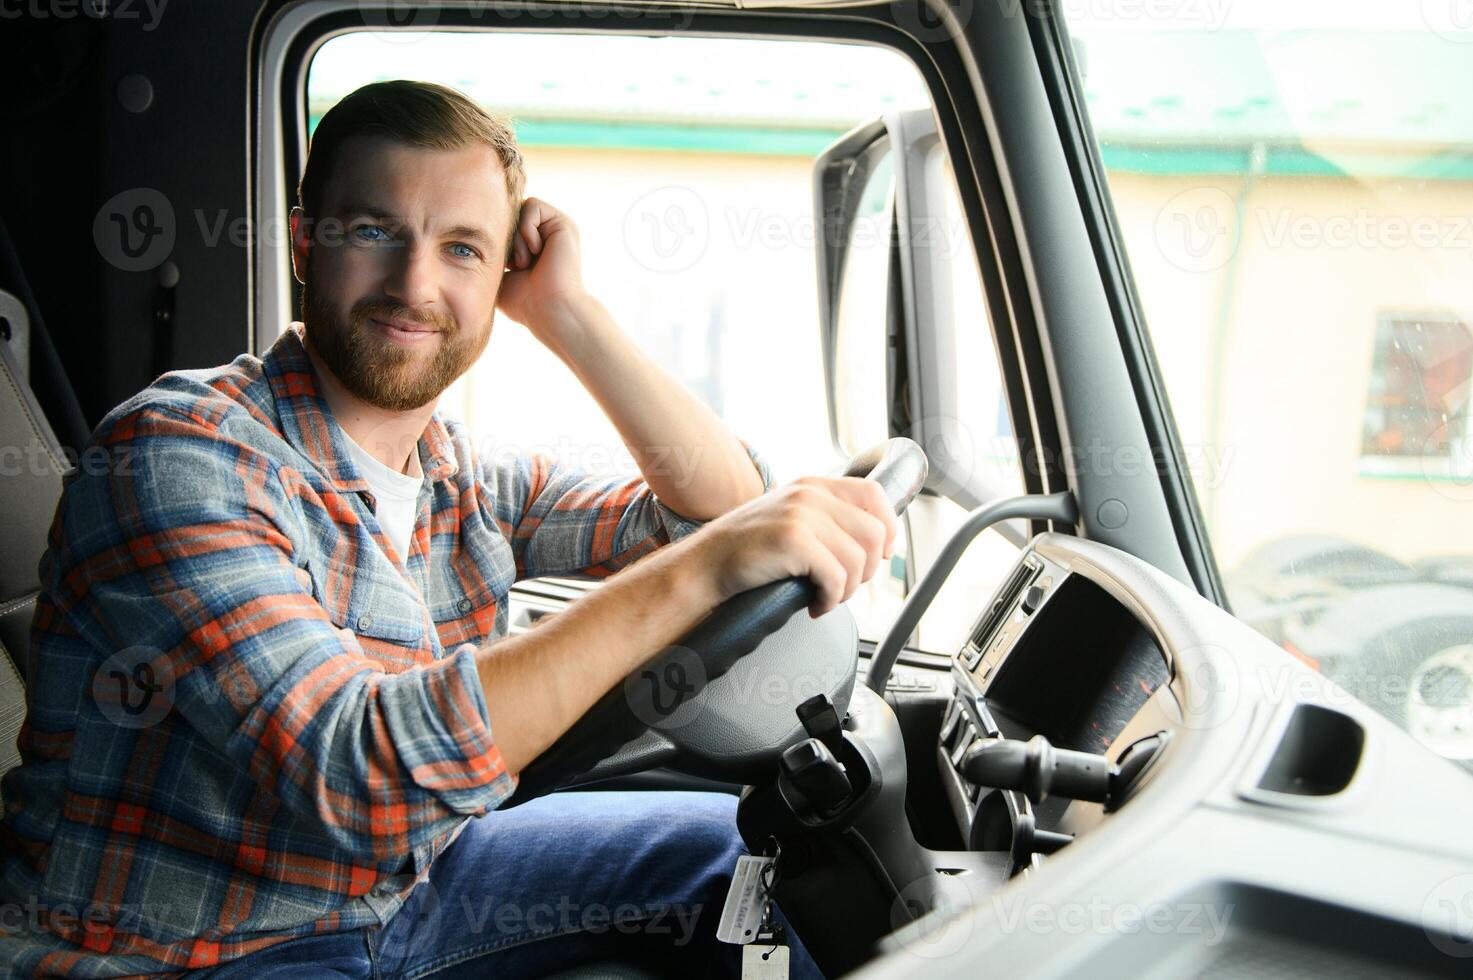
<point x="32" y="466"/>
<point x="41" y="367"/>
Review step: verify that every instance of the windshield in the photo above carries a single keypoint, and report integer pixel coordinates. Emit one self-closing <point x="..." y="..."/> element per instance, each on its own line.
<point x="1293" y="187"/>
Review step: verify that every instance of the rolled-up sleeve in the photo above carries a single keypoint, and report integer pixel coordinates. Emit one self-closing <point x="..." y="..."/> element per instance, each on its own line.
<point x="560" y="520"/>
<point x="189" y="555"/>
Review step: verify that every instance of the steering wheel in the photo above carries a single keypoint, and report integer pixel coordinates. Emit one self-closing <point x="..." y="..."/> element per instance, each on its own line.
<point x="720" y="702"/>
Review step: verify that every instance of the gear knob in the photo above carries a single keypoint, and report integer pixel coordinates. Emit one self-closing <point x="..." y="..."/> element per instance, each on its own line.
<point x="1037" y="769"/>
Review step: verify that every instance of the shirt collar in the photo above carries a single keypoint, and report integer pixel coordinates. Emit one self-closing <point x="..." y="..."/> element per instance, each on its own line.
<point x="308" y="424"/>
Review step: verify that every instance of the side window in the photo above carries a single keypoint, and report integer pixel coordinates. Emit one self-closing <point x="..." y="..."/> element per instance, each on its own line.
<point x="1292" y="189"/>
<point x="688" y="165"/>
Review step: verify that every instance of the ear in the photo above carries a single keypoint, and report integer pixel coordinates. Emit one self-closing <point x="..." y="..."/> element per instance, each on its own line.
<point x="301" y="243"/>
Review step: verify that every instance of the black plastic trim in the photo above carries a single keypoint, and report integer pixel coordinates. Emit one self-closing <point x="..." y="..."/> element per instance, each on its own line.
<point x="1061" y="79"/>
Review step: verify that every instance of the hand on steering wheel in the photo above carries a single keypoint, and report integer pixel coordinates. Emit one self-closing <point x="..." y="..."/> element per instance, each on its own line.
<point x="701" y="705"/>
<point x="834" y="530"/>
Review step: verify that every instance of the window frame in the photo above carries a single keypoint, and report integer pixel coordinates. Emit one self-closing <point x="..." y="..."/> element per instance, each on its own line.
<point x="1064" y="84"/>
<point x="284" y="44"/>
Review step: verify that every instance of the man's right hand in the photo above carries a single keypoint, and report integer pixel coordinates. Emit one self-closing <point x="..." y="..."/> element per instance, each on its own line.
<point x="835" y="530"/>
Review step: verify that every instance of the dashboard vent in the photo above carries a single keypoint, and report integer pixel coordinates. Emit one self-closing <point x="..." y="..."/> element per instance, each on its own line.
<point x="1021" y="577"/>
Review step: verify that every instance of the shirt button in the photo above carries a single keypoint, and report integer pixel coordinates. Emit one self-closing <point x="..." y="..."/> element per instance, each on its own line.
<point x="365" y="623"/>
<point x="464" y="605"/>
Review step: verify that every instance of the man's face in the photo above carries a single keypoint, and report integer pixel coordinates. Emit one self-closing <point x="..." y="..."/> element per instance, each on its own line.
<point x="401" y="274"/>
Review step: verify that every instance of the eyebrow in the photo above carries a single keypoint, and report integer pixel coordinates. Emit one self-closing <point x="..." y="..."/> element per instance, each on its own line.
<point x="468" y="232"/>
<point x="471" y="233"/>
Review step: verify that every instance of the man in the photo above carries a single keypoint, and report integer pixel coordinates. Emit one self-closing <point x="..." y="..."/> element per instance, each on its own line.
<point x="267" y="706"/>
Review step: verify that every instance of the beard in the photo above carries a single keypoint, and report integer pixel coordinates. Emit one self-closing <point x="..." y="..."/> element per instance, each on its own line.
<point x="378" y="371"/>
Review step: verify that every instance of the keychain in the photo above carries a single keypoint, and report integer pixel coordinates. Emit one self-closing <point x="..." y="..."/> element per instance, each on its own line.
<point x="766" y="956"/>
<point x="747" y="920"/>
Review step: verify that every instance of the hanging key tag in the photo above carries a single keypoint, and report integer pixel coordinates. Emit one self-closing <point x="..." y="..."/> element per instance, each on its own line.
<point x="766" y="957"/>
<point x="760" y="961"/>
<point x="748" y="902"/>
<point x="741" y="916"/>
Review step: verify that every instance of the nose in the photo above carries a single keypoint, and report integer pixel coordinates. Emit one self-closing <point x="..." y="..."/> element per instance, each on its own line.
<point x="413" y="276"/>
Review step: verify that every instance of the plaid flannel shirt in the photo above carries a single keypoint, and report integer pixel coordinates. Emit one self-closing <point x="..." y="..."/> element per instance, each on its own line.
<point x="247" y="722"/>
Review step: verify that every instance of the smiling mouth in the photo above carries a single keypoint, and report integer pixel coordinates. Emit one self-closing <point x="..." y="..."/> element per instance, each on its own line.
<point x="404" y="331"/>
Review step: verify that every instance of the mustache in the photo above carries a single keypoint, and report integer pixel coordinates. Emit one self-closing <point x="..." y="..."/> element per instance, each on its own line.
<point x="369" y="309"/>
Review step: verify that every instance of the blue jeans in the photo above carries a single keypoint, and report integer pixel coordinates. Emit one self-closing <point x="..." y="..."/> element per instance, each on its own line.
<point x="571" y="878"/>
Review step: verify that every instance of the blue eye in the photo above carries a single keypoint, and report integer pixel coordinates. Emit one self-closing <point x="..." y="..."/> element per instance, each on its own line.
<point x="369" y="233"/>
<point x="469" y="252"/>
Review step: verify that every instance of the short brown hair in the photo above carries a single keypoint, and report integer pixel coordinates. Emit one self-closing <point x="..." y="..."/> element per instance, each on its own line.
<point x="420" y="114"/>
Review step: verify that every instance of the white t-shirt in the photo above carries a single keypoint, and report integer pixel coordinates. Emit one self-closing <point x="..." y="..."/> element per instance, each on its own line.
<point x="395" y="497"/>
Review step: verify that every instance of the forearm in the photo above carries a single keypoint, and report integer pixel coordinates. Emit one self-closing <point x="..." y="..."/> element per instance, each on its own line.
<point x="538" y="683"/>
<point x="687" y="455"/>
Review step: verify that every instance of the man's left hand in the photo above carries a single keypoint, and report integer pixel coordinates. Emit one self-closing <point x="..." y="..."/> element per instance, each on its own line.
<point x="544" y="282"/>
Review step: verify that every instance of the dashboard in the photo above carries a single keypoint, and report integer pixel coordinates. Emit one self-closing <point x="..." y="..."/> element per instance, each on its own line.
<point x="1053" y="654"/>
<point x="1278" y="826"/>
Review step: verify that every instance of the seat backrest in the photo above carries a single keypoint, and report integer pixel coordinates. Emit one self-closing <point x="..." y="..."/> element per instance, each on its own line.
<point x="12" y="712"/>
<point x="31" y="470"/>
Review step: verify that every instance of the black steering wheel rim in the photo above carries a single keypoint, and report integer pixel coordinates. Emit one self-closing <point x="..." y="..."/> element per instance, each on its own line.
<point x="651" y="719"/>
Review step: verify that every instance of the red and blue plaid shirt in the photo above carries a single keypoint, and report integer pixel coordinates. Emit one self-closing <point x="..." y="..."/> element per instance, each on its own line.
<point x="247" y="721"/>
